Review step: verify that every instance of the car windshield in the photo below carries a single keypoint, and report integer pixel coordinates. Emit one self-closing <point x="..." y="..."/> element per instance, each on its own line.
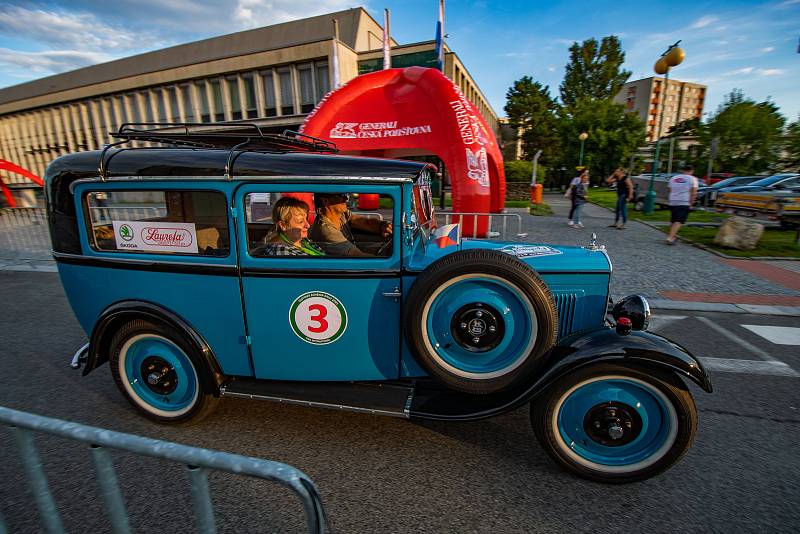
<point x="769" y="180"/>
<point x="736" y="180"/>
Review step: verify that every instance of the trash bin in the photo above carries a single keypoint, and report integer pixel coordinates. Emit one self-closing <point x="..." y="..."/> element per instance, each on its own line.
<point x="536" y="194"/>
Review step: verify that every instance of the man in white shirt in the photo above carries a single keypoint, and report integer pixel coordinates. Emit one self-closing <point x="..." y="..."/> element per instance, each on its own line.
<point x="682" y="192"/>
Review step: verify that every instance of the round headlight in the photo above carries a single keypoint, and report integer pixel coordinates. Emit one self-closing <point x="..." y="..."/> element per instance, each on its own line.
<point x="634" y="307"/>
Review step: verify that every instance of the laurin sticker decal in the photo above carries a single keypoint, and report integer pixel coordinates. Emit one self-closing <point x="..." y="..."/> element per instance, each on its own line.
<point x="318" y="318"/>
<point x="530" y="251"/>
<point x="156" y="236"/>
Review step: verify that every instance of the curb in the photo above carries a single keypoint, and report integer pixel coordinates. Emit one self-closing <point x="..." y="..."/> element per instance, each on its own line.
<point x="756" y="309"/>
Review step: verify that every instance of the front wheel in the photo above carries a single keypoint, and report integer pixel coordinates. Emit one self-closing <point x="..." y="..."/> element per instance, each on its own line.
<point x="153" y="367"/>
<point x="609" y="423"/>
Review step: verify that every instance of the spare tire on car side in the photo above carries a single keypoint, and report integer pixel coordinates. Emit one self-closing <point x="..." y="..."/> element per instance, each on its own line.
<point x="480" y="320"/>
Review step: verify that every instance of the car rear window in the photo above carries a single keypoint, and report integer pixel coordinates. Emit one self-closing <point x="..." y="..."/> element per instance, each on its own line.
<point x="158" y="222"/>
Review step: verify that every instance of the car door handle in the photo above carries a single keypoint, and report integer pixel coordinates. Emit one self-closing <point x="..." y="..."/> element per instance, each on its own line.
<point x="393" y="294"/>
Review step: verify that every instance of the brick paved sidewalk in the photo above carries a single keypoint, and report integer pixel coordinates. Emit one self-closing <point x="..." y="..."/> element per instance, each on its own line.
<point x="644" y="264"/>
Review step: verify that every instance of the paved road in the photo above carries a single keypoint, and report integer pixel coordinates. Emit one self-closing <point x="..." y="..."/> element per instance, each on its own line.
<point x="380" y="474"/>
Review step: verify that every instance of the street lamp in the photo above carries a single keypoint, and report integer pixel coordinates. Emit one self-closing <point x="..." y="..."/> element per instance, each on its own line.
<point x="671" y="58"/>
<point x="582" y="137"/>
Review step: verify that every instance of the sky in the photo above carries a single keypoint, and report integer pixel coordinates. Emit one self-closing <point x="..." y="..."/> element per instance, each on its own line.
<point x="747" y="45"/>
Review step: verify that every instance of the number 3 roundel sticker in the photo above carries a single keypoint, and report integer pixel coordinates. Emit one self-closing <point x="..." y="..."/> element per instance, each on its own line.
<point x="318" y="317"/>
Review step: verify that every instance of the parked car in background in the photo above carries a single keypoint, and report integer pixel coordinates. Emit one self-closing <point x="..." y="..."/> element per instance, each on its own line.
<point x="716" y="177"/>
<point x="776" y="182"/>
<point x="641" y="185"/>
<point x="706" y="195"/>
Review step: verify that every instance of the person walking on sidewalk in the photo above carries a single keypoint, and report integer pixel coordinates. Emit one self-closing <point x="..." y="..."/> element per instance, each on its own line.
<point x="570" y="194"/>
<point x="579" y="193"/>
<point x="682" y="192"/>
<point x="624" y="195"/>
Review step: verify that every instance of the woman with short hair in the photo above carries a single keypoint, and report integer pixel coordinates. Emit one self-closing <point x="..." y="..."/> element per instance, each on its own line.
<point x="290" y="237"/>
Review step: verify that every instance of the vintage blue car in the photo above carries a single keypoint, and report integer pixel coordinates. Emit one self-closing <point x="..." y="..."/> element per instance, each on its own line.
<point x="194" y="278"/>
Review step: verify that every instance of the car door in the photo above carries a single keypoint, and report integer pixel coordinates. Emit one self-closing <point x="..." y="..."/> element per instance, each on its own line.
<point x="318" y="317"/>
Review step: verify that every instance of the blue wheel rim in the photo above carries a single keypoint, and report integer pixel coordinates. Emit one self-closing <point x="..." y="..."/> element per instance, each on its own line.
<point x="653" y="438"/>
<point x="517" y="314"/>
<point x="144" y="351"/>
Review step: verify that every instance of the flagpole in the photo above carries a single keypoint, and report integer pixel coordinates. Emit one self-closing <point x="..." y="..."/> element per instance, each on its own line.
<point x="387" y="56"/>
<point x="335" y="55"/>
<point x="440" y="38"/>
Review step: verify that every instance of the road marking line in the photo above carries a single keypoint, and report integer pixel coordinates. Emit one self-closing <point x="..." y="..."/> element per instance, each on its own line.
<point x="730" y="335"/>
<point x="659" y="322"/>
<point x="780" y="335"/>
<point x="753" y="367"/>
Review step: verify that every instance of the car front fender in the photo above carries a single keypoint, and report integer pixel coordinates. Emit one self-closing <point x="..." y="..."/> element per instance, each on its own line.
<point x="638" y="348"/>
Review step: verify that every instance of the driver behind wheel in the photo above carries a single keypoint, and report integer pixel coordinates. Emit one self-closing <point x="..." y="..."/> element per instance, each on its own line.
<point x="333" y="227"/>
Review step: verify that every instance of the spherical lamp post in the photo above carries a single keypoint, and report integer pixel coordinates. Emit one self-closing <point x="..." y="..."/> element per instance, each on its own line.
<point x="582" y="137"/>
<point x="673" y="57"/>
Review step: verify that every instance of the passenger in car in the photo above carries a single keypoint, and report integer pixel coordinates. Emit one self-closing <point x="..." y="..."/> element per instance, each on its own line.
<point x="290" y="237"/>
<point x="334" y="225"/>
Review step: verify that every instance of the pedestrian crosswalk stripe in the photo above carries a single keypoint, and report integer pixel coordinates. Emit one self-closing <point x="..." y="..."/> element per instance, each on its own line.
<point x="659" y="322"/>
<point x="752" y="367"/>
<point x="780" y="335"/>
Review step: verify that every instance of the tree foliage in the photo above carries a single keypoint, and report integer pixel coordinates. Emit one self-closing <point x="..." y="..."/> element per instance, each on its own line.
<point x="791" y="147"/>
<point x="749" y="134"/>
<point x="613" y="136"/>
<point x="532" y="111"/>
<point x="594" y="71"/>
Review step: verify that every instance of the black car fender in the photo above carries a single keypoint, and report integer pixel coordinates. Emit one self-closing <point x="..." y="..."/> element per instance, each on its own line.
<point x="636" y="349"/>
<point x="639" y="349"/>
<point x="121" y="312"/>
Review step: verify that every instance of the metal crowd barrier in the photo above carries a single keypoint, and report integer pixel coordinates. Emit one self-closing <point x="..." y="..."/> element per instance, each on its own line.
<point x="24" y="231"/>
<point x="495" y="228"/>
<point x="197" y="462"/>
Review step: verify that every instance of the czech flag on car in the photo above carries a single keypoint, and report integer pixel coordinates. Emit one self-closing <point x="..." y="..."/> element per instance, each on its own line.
<point x="447" y="235"/>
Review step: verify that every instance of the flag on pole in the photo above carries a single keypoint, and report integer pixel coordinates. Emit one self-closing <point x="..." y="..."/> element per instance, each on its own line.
<point x="335" y="55"/>
<point x="447" y="235"/>
<point x="387" y="57"/>
<point x="440" y="38"/>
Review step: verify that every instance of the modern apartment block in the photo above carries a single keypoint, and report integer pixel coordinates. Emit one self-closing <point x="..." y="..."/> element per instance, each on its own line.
<point x="272" y="76"/>
<point x="681" y="101"/>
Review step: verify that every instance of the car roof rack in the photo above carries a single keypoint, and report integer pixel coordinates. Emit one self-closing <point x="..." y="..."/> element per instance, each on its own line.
<point x="235" y="136"/>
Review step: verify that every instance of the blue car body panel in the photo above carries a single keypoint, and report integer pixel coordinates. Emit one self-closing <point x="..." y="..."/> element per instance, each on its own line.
<point x="252" y="302"/>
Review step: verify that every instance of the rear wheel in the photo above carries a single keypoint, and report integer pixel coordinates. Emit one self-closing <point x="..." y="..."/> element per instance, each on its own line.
<point x="154" y="368"/>
<point x="614" y="424"/>
<point x="480" y="320"/>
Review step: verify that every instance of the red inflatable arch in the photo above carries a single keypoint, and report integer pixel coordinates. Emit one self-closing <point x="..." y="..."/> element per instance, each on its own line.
<point x="417" y="111"/>
<point x="8" y="166"/>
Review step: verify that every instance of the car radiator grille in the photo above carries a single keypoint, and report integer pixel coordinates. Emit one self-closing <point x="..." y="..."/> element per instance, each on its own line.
<point x="566" y="304"/>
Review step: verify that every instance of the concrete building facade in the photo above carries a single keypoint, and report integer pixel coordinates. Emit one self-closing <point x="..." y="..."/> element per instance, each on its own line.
<point x="681" y="101"/>
<point x="272" y="76"/>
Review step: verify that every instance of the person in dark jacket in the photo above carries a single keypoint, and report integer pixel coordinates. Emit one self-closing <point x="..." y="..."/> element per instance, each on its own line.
<point x="624" y="195"/>
<point x="579" y="194"/>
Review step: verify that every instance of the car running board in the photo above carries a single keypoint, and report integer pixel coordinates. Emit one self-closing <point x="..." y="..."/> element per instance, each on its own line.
<point x="365" y="397"/>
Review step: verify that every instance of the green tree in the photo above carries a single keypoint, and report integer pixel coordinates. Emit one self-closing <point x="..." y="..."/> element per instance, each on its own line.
<point x="613" y="136"/>
<point x="749" y="135"/>
<point x="791" y="147"/>
<point x="533" y="112"/>
<point x="594" y="71"/>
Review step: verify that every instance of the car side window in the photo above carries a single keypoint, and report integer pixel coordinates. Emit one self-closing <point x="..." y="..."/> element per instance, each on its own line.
<point x="310" y="224"/>
<point x="158" y="221"/>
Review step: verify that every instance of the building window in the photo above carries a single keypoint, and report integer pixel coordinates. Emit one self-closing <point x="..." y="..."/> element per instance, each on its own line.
<point x="249" y="95"/>
<point x="232" y="84"/>
<point x="186" y="96"/>
<point x="306" y="80"/>
<point x="175" y="112"/>
<point x="205" y="114"/>
<point x="216" y="94"/>
<point x="287" y="91"/>
<point x="270" y="107"/>
<point x="133" y="105"/>
<point x="322" y="79"/>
